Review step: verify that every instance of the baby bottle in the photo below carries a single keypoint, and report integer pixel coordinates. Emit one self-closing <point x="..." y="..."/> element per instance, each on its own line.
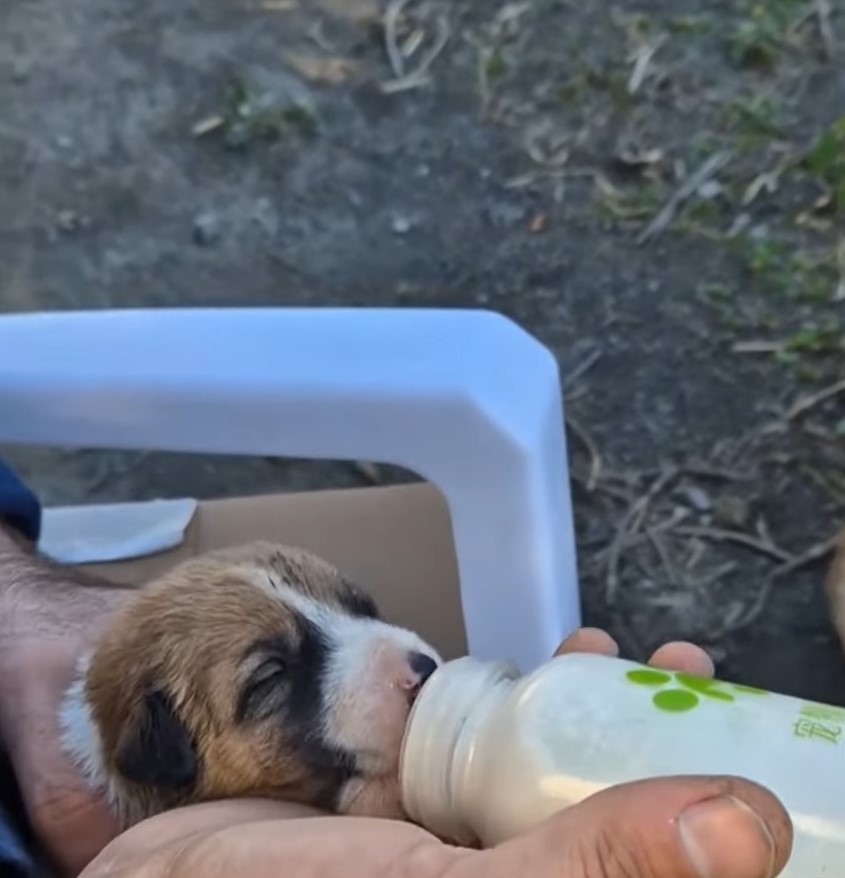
<point x="488" y="754"/>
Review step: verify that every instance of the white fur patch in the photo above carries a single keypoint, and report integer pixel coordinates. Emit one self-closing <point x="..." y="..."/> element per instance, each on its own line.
<point x="82" y="742"/>
<point x="353" y="638"/>
<point x="355" y="642"/>
<point x="80" y="736"/>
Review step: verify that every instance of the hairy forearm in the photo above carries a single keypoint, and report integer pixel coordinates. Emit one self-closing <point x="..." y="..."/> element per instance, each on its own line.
<point x="20" y="583"/>
<point x="50" y="618"/>
<point x="46" y="609"/>
<point x="37" y="595"/>
<point x="12" y="546"/>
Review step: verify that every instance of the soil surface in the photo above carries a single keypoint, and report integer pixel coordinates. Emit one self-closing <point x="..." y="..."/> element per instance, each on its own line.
<point x="513" y="156"/>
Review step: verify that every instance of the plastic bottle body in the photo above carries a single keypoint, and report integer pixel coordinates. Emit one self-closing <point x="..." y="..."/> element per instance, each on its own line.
<point x="528" y="748"/>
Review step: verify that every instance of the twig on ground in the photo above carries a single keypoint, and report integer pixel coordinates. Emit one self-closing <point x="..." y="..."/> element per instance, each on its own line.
<point x="630" y="524"/>
<point x="659" y="485"/>
<point x="683" y="193"/>
<point x="767" y="181"/>
<point x="823" y="14"/>
<point x="316" y="35"/>
<point x="635" y="540"/>
<point x="721" y="535"/>
<point x="805" y="404"/>
<point x="815" y="553"/>
<point x="715" y="575"/>
<point x="735" y="450"/>
<point x="595" y="458"/>
<point x="817" y="431"/>
<point x="754" y="611"/>
<point x="483" y="56"/>
<point x="764" y="531"/>
<point x="697" y="553"/>
<point x="665" y="558"/>
<point x="602" y="486"/>
<point x="758" y="347"/>
<point x="391" y="40"/>
<point x="547" y="146"/>
<point x="582" y="368"/>
<point x="557" y="175"/>
<point x="835" y="491"/>
<point x="679" y="515"/>
<point x="414" y="41"/>
<point x="644" y="56"/>
<point x="405" y="80"/>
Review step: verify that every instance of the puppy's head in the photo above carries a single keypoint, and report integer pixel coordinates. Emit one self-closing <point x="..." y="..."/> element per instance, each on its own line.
<point x="253" y="671"/>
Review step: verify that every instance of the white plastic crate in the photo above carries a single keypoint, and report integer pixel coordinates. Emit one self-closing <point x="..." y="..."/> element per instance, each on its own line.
<point x="466" y="399"/>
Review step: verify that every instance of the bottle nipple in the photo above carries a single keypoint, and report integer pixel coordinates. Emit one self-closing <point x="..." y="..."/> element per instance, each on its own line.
<point x="433" y="754"/>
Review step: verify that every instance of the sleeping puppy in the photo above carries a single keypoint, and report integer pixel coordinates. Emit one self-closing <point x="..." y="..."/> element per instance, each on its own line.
<point x="253" y="671"/>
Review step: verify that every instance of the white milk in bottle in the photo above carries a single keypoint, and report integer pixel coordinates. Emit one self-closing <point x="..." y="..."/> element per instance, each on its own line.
<point x="489" y="754"/>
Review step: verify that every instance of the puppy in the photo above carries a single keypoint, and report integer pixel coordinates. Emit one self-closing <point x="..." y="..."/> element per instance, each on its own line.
<point x="252" y="671"/>
<point x="835" y="589"/>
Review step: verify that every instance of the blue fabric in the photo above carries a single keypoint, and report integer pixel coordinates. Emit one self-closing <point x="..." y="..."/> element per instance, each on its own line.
<point x="15" y="859"/>
<point x="19" y="507"/>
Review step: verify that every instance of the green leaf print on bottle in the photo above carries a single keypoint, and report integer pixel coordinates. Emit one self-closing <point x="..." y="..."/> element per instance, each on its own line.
<point x="686" y="692"/>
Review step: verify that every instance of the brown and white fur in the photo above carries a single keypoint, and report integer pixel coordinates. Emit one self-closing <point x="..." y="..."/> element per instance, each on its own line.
<point x="252" y="671"/>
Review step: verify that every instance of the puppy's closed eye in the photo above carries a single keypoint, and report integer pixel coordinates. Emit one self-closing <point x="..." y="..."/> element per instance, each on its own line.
<point x="263" y="693"/>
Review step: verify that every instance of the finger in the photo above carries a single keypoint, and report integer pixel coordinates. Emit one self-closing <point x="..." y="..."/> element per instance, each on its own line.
<point x="592" y="640"/>
<point x="664" y="828"/>
<point x="683" y="657"/>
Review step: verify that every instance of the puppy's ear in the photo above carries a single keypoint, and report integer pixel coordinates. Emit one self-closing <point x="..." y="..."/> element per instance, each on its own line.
<point x="155" y="749"/>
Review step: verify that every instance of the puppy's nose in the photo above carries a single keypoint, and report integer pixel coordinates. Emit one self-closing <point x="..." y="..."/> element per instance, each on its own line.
<point x="422" y="665"/>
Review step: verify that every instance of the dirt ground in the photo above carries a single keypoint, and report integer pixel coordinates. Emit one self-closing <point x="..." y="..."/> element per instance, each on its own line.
<point x="512" y="156"/>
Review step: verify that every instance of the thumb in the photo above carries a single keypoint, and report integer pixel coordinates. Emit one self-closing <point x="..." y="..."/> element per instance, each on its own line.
<point x="689" y="827"/>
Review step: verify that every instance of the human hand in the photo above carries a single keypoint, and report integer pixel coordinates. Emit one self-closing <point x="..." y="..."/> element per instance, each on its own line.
<point x="667" y="828"/>
<point x="47" y="622"/>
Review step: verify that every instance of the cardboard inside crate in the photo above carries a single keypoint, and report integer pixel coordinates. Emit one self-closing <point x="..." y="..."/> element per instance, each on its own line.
<point x="394" y="541"/>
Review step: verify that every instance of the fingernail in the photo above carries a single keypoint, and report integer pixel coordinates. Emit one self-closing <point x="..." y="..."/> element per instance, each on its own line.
<point x="724" y="838"/>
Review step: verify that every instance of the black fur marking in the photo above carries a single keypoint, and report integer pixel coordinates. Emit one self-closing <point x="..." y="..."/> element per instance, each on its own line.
<point x="357" y="602"/>
<point x="156" y="750"/>
<point x="294" y="699"/>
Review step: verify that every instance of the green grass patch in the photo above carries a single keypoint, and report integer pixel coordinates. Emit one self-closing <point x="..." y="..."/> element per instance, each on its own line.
<point x="826" y="161"/>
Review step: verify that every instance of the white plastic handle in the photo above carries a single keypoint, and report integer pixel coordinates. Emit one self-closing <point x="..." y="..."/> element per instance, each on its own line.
<point x="466" y="399"/>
